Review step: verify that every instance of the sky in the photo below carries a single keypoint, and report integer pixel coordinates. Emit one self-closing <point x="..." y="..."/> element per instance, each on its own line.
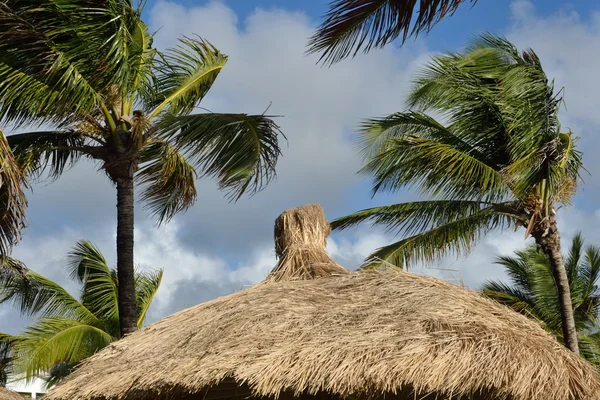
<point x="218" y="247"/>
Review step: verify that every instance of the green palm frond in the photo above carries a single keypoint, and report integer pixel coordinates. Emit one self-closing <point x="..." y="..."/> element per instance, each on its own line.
<point x="500" y="144"/>
<point x="141" y="60"/>
<point x="190" y="70"/>
<point x="87" y="265"/>
<point x="517" y="299"/>
<point x="239" y="150"/>
<point x="354" y="25"/>
<point x="51" y="341"/>
<point x="436" y="166"/>
<point x="64" y="46"/>
<point x="167" y="180"/>
<point x="414" y="217"/>
<point x="7" y="344"/>
<point x="532" y="291"/>
<point x="14" y="203"/>
<point x="34" y="294"/>
<point x="146" y="284"/>
<point x="456" y="237"/>
<point x="66" y="331"/>
<point x="48" y="153"/>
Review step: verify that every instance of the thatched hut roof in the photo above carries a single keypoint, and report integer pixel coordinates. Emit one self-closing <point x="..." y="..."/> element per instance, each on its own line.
<point x="354" y="335"/>
<point x="6" y="394"/>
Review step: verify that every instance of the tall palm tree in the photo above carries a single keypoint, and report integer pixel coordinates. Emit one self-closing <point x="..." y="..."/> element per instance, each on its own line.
<point x="532" y="291"/>
<point x="12" y="198"/>
<point x="90" y="69"/>
<point x="498" y="159"/>
<point x="354" y="25"/>
<point x="68" y="330"/>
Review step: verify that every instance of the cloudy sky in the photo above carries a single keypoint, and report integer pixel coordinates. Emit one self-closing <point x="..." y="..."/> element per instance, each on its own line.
<point x="218" y="247"/>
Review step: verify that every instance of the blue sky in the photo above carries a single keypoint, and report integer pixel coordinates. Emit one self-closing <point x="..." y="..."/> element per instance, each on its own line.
<point x="218" y="247"/>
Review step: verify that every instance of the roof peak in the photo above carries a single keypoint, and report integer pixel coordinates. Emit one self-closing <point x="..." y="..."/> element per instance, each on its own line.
<point x="300" y="245"/>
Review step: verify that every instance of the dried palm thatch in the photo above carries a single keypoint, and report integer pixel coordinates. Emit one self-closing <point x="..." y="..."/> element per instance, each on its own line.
<point x="361" y="335"/>
<point x="6" y="394"/>
<point x="300" y="239"/>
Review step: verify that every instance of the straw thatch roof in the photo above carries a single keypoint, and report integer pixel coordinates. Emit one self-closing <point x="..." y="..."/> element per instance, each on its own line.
<point x="6" y="394"/>
<point x="359" y="335"/>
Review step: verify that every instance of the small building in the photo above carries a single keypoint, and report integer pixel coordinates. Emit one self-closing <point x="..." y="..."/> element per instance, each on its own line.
<point x="28" y="390"/>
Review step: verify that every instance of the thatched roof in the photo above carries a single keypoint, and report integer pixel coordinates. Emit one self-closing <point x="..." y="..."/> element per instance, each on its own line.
<point x="6" y="394"/>
<point x="343" y="335"/>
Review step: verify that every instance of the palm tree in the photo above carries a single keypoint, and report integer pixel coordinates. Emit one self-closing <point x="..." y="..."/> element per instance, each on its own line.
<point x="12" y="198"/>
<point x="68" y="330"/>
<point x="499" y="159"/>
<point x="90" y="69"/>
<point x="354" y="25"/>
<point x="532" y="291"/>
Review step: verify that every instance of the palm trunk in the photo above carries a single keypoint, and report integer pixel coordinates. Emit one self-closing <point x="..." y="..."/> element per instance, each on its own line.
<point x="127" y="297"/>
<point x="548" y="238"/>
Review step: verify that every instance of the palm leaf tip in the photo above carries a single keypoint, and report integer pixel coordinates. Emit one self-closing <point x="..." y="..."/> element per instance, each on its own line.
<point x="354" y="25"/>
<point x="184" y="77"/>
<point x="168" y="181"/>
<point x="239" y="150"/>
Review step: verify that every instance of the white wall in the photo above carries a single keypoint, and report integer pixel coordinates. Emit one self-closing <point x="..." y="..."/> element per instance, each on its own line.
<point x="34" y="388"/>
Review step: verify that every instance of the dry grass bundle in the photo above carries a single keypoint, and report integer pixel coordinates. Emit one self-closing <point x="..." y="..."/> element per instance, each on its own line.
<point x="6" y="394"/>
<point x="300" y="240"/>
<point x="363" y="336"/>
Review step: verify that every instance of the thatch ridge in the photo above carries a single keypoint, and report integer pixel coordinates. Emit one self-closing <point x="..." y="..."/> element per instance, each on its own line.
<point x="300" y="240"/>
<point x="6" y="394"/>
<point x="356" y="334"/>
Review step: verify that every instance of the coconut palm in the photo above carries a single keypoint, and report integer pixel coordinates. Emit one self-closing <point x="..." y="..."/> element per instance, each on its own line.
<point x="12" y="198"/>
<point x="90" y="69"/>
<point x="532" y="291"/>
<point x="354" y="25"/>
<point x="67" y="330"/>
<point x="499" y="159"/>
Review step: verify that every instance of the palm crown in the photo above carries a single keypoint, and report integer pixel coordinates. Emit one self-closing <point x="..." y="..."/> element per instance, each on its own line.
<point x="532" y="291"/>
<point x="89" y="69"/>
<point x="499" y="160"/>
<point x="68" y="330"/>
<point x="134" y="109"/>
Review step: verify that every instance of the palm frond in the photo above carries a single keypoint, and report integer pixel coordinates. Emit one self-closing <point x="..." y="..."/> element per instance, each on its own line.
<point x="240" y="150"/>
<point x="74" y="50"/>
<point x="50" y="152"/>
<point x="354" y="25"/>
<point x="141" y="61"/>
<point x="146" y="285"/>
<point x="532" y="291"/>
<point x="51" y="341"/>
<point x="7" y="344"/>
<point x="437" y="165"/>
<point x="14" y="203"/>
<point x="456" y="237"/>
<point x="414" y="217"/>
<point x="519" y="300"/>
<point x="167" y="180"/>
<point x="87" y="265"/>
<point x="32" y="293"/>
<point x="190" y="70"/>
